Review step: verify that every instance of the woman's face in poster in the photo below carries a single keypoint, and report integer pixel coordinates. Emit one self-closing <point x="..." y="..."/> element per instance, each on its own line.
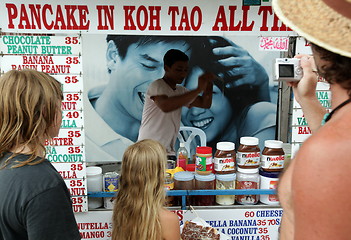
<point x="212" y="121"/>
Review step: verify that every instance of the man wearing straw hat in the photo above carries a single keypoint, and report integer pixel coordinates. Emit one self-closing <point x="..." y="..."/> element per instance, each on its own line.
<point x="314" y="190"/>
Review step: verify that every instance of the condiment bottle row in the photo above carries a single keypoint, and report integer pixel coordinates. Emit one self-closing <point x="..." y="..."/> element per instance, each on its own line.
<point x="243" y="179"/>
<point x="226" y="160"/>
<point x="98" y="182"/>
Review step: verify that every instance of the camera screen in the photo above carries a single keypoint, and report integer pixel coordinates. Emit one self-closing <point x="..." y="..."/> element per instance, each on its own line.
<point x="286" y="70"/>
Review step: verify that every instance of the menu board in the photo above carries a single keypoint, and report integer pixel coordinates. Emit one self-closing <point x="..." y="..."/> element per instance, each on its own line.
<point x="250" y="223"/>
<point x="300" y="130"/>
<point x="59" y="56"/>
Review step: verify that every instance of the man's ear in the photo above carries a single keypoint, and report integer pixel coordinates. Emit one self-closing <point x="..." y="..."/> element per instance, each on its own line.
<point x="111" y="56"/>
<point x="166" y="68"/>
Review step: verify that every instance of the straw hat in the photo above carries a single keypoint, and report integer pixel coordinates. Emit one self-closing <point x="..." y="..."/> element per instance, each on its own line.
<point x="326" y="23"/>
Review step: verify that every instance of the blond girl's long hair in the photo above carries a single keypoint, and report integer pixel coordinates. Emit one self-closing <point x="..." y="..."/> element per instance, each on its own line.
<point x="141" y="193"/>
<point x="28" y="107"/>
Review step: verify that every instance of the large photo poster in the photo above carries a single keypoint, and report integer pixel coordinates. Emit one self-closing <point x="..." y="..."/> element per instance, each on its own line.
<point x="122" y="48"/>
<point x="119" y="68"/>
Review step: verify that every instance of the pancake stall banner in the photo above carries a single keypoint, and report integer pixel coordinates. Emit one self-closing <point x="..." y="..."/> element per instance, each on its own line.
<point x="166" y="17"/>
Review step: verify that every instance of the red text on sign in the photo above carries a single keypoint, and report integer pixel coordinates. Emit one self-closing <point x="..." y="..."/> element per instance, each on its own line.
<point x="35" y="16"/>
<point x="143" y="18"/>
<point x="185" y="23"/>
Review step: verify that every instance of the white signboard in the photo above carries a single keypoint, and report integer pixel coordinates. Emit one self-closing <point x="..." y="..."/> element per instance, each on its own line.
<point x="80" y="204"/>
<point x="155" y="17"/>
<point x="71" y="170"/>
<point x="43" y="45"/>
<point x="240" y="223"/>
<point x="48" y="64"/>
<point x="77" y="187"/>
<point x="76" y="136"/>
<point x="57" y="153"/>
<point x="70" y="83"/>
<point x="298" y="118"/>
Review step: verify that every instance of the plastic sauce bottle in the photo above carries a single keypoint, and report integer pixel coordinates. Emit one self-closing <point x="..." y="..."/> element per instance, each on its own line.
<point x="273" y="156"/>
<point x="204" y="163"/>
<point x="182" y="156"/>
<point x="94" y="184"/>
<point x="224" y="158"/>
<point x="248" y="155"/>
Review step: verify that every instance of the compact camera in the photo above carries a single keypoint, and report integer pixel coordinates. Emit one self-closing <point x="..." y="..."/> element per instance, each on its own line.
<point x="287" y="69"/>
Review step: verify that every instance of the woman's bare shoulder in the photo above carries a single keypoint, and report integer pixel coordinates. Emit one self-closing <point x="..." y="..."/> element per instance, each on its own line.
<point x="166" y="215"/>
<point x="170" y="225"/>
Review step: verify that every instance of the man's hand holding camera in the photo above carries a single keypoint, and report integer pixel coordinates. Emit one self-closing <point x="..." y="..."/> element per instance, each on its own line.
<point x="306" y="87"/>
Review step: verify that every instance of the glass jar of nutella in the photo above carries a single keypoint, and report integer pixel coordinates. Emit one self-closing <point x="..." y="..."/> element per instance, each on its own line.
<point x="224" y="159"/>
<point x="273" y="156"/>
<point x="248" y="155"/>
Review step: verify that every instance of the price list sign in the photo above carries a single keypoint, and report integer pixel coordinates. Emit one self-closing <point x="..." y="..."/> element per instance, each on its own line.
<point x="237" y="224"/>
<point x="300" y="130"/>
<point x="59" y="56"/>
<point x="40" y="45"/>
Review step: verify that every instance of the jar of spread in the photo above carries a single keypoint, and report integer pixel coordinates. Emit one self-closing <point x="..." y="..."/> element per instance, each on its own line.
<point x="204" y="182"/>
<point x="183" y="180"/>
<point x="247" y="178"/>
<point x="225" y="181"/>
<point x="273" y="156"/>
<point x="169" y="185"/>
<point x="204" y="163"/>
<point x="269" y="180"/>
<point x="110" y="181"/>
<point x="94" y="184"/>
<point x="248" y="155"/>
<point x="224" y="158"/>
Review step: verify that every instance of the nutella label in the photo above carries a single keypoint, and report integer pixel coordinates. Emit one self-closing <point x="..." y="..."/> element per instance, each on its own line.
<point x="224" y="164"/>
<point x="246" y="199"/>
<point x="248" y="158"/>
<point x="272" y="162"/>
